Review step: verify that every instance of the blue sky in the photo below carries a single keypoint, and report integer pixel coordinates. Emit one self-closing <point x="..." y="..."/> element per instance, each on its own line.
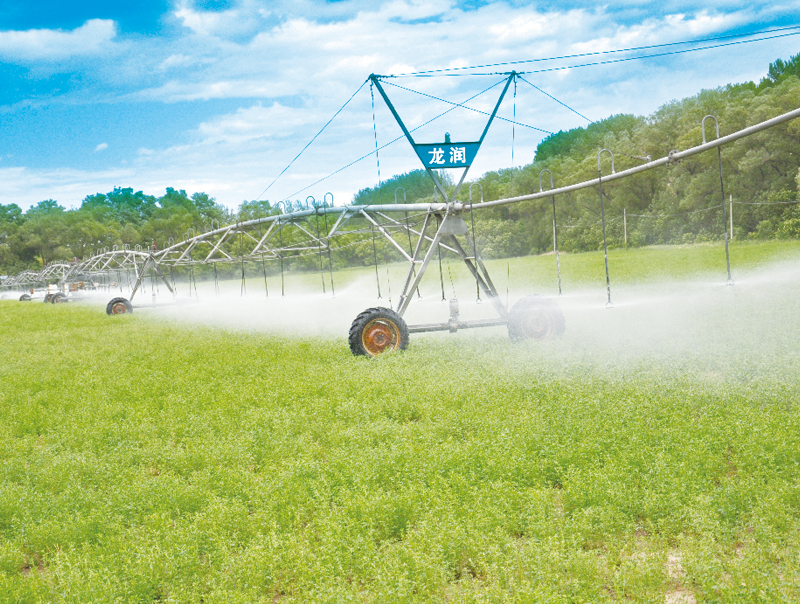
<point x="218" y="96"/>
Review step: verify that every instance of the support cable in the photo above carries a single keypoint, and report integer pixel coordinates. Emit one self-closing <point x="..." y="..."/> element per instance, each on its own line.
<point x="463" y="106"/>
<point x="658" y="55"/>
<point x="598" y="53"/>
<point x="514" y="123"/>
<point x="556" y="100"/>
<point x="401" y="137"/>
<point x="375" y="131"/>
<point x="312" y="140"/>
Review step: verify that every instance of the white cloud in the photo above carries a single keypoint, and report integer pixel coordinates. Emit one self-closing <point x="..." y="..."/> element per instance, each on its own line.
<point x="52" y="44"/>
<point x="675" y="27"/>
<point x="232" y="22"/>
<point x="251" y="123"/>
<point x="101" y="147"/>
<point x="176" y="61"/>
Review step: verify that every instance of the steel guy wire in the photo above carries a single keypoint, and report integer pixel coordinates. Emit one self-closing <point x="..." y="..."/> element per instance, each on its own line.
<point x="514" y="123"/>
<point x="610" y="62"/>
<point x="656" y="55"/>
<point x="363" y="157"/>
<point x="312" y="140"/>
<point x="556" y="100"/>
<point x="375" y="131"/>
<point x="463" y="106"/>
<point x="595" y="53"/>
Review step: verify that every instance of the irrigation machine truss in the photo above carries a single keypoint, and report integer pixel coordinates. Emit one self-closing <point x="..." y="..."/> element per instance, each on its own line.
<point x="416" y="230"/>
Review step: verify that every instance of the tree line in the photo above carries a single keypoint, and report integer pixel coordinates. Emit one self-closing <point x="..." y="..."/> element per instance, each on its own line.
<point x="680" y="203"/>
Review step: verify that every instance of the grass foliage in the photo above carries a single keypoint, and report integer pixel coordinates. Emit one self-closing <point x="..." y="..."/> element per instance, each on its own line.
<point x="147" y="461"/>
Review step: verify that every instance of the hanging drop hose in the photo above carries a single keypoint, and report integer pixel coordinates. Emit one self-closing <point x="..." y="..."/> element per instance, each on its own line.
<point x="508" y="281"/>
<point x="475" y="253"/>
<point x="263" y="264"/>
<point x="328" y="245"/>
<point x="603" y="218"/>
<point x="216" y="281"/>
<point x="243" y="288"/>
<point x="411" y="251"/>
<point x="319" y="246"/>
<point x="605" y="245"/>
<point x="722" y="190"/>
<point x="389" y="284"/>
<point x="441" y="275"/>
<point x="724" y="218"/>
<point x="283" y="282"/>
<point x="452" y="285"/>
<point x="475" y="243"/>
<point x="264" y="269"/>
<point x="375" y="259"/>
<point x="555" y="245"/>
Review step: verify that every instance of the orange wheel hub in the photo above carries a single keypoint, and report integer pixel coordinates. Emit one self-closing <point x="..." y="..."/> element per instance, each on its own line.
<point x="379" y="336"/>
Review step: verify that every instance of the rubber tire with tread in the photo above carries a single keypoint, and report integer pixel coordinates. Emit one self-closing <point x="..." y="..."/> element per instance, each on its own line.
<point x="25" y="298"/>
<point x="535" y="318"/>
<point x="58" y="298"/>
<point x="386" y="318"/>
<point x="113" y="306"/>
<point x="47" y="298"/>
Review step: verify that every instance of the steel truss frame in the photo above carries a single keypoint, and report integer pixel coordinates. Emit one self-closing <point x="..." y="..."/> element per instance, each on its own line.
<point x="313" y="229"/>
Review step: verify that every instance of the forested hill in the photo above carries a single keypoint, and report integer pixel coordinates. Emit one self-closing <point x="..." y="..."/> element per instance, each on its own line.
<point x="679" y="203"/>
<point x="675" y="204"/>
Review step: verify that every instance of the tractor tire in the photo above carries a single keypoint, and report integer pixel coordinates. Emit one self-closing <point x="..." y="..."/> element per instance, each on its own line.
<point x="535" y="318"/>
<point x="378" y="331"/>
<point x="58" y="298"/>
<point x="25" y="298"/>
<point x="119" y="306"/>
<point x="47" y="298"/>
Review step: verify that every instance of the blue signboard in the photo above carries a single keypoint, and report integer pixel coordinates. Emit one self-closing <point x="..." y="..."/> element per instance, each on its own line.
<point x="447" y="155"/>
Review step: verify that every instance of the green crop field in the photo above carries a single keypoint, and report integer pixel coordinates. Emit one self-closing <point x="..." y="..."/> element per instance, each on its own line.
<point x="651" y="454"/>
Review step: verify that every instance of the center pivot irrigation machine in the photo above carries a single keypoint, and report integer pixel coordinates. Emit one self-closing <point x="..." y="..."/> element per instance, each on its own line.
<point x="416" y="230"/>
